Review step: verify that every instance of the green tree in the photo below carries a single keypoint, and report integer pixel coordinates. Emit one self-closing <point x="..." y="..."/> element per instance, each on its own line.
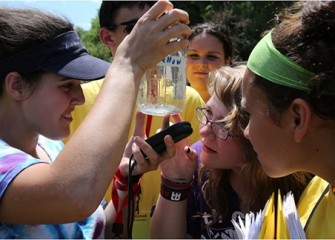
<point x="92" y="42"/>
<point x="246" y="20"/>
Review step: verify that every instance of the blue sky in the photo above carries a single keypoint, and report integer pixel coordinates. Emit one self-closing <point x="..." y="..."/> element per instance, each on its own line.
<point x="80" y="12"/>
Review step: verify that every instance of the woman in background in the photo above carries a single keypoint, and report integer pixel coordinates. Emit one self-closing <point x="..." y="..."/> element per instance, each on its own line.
<point x="210" y="48"/>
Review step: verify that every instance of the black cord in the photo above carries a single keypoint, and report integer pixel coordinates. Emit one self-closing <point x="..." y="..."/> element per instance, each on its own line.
<point x="131" y="202"/>
<point x="275" y="213"/>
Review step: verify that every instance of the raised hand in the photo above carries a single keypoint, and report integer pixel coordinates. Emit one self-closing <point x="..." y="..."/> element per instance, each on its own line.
<point x="184" y="163"/>
<point x="137" y="143"/>
<point x="149" y="42"/>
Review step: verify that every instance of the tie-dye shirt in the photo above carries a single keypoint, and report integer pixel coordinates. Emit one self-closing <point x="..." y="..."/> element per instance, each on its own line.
<point x="12" y="162"/>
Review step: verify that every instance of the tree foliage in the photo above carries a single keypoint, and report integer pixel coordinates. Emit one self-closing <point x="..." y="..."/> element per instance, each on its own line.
<point x="92" y="42"/>
<point x="247" y="20"/>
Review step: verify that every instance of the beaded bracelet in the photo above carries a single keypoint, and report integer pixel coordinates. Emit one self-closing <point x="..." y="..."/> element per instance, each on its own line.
<point x="175" y="190"/>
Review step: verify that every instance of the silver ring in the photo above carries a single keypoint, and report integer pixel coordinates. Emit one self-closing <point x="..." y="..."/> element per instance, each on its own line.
<point x="146" y="158"/>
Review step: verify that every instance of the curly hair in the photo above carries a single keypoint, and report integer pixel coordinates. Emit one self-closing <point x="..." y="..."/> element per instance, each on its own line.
<point x="218" y="31"/>
<point x="305" y="33"/>
<point x="257" y="186"/>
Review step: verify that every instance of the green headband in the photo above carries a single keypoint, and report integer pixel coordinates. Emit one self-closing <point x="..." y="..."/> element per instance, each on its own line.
<point x="266" y="61"/>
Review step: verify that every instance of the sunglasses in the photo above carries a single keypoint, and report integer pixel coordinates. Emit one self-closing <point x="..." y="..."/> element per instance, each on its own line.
<point x="129" y="25"/>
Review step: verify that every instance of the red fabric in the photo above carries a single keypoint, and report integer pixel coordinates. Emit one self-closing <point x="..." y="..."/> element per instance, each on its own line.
<point x="148" y="125"/>
<point x="120" y="183"/>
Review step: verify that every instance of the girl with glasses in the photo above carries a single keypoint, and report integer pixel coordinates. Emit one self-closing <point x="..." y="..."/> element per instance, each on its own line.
<point x="220" y="177"/>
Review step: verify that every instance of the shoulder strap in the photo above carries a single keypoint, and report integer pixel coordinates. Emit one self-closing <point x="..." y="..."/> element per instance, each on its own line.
<point x="315" y="206"/>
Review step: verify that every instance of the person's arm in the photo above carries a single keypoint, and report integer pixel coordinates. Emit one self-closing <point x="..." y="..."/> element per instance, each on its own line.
<point x="169" y="218"/>
<point x="73" y="186"/>
<point x="117" y="209"/>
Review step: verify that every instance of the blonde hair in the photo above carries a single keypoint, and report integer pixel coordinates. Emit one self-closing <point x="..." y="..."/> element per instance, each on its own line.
<point x="226" y="84"/>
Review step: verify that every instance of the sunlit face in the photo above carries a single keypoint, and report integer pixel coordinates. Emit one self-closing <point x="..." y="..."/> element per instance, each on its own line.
<point x="48" y="110"/>
<point x="216" y="153"/>
<point x="125" y="14"/>
<point x="272" y="143"/>
<point x="204" y="54"/>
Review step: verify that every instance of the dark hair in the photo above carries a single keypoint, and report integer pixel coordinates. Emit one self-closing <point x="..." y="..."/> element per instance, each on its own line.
<point x="257" y="186"/>
<point x="217" y="31"/>
<point x="22" y="29"/>
<point x="305" y="33"/>
<point x="109" y="10"/>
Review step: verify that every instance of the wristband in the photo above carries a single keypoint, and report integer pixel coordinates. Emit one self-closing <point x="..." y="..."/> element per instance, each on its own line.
<point x="121" y="183"/>
<point x="175" y="190"/>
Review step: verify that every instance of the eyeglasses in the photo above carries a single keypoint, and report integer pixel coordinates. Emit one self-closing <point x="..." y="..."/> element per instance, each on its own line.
<point x="129" y="25"/>
<point x="217" y="128"/>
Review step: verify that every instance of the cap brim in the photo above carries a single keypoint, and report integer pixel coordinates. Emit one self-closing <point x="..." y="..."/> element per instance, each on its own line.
<point x="85" y="67"/>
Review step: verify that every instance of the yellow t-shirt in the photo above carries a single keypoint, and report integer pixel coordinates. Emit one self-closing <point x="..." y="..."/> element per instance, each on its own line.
<point x="150" y="185"/>
<point x="321" y="220"/>
<point x="91" y="90"/>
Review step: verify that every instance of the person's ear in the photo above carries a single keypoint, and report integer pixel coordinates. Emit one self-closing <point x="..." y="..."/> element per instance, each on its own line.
<point x="302" y="118"/>
<point x="107" y="37"/>
<point x="15" y="86"/>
